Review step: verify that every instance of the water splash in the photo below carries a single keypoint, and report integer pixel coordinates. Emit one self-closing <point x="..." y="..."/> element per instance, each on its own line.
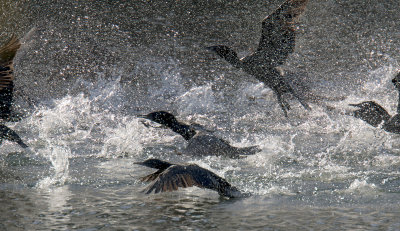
<point x="58" y="157"/>
<point x="362" y="187"/>
<point x="125" y="139"/>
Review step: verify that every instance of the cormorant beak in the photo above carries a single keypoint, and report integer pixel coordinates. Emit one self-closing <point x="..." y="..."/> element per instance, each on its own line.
<point x="148" y="124"/>
<point x="145" y="123"/>
<point x="355" y="105"/>
<point x="212" y="48"/>
<point x="22" y="144"/>
<point x="139" y="163"/>
<point x="349" y="113"/>
<point x="142" y="116"/>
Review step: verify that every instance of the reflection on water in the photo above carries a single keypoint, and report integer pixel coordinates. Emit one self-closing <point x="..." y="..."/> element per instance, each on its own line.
<point x="77" y="207"/>
<point x="58" y="198"/>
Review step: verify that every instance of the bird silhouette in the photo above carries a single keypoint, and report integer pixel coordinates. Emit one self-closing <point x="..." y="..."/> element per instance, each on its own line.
<point x="374" y="114"/>
<point x="200" y="142"/>
<point x="276" y="43"/>
<point x="169" y="177"/>
<point x="7" y="54"/>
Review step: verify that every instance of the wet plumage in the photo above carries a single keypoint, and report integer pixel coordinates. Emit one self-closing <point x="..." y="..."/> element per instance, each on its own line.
<point x="396" y="83"/>
<point x="8" y="134"/>
<point x="371" y="112"/>
<point x="374" y="114"/>
<point x="276" y="43"/>
<point x="170" y="177"/>
<point x="7" y="54"/>
<point x="200" y="143"/>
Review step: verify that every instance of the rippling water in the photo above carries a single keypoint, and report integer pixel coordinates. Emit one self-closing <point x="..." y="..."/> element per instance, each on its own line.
<point x="87" y="68"/>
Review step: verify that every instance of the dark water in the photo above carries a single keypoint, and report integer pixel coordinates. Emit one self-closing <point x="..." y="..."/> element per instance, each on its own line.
<point x="88" y="67"/>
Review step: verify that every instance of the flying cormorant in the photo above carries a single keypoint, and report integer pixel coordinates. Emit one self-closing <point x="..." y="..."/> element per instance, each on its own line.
<point x="396" y="83"/>
<point x="8" y="134"/>
<point x="276" y="43"/>
<point x="169" y="177"/>
<point x="7" y="54"/>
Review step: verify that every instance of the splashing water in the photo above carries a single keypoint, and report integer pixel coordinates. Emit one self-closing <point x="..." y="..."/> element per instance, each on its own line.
<point x="91" y="73"/>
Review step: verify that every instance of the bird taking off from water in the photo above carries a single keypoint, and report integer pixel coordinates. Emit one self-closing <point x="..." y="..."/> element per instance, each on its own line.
<point x="8" y="134"/>
<point x="396" y="83"/>
<point x="200" y="142"/>
<point x="169" y="177"/>
<point x="277" y="42"/>
<point x="374" y="114"/>
<point x="7" y="54"/>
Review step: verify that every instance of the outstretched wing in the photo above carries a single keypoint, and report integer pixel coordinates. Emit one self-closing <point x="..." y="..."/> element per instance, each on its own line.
<point x="178" y="176"/>
<point x="8" y="134"/>
<point x="278" y="34"/>
<point x="7" y="54"/>
<point x="151" y="177"/>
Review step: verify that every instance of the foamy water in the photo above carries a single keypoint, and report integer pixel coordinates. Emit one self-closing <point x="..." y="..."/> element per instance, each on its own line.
<point x="322" y="144"/>
<point x="86" y="75"/>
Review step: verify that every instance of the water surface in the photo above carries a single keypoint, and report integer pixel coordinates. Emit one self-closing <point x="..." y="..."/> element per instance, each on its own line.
<point x="87" y="68"/>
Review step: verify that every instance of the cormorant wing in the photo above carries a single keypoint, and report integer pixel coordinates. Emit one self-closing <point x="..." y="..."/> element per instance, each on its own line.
<point x="151" y="177"/>
<point x="7" y="54"/>
<point x="184" y="176"/>
<point x="9" y="134"/>
<point x="278" y="34"/>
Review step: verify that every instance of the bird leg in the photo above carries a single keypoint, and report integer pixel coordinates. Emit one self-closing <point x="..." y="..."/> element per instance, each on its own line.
<point x="284" y="105"/>
<point x="305" y="105"/>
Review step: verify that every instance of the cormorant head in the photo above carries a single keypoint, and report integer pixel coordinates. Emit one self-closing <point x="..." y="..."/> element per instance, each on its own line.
<point x="227" y="53"/>
<point x="366" y="105"/>
<point x="396" y="81"/>
<point x="161" y="117"/>
<point x="3" y="131"/>
<point x="371" y="113"/>
<point x="154" y="163"/>
<point x="169" y="120"/>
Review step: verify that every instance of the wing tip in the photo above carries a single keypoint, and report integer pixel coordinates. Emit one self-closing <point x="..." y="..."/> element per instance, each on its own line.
<point x="9" y="49"/>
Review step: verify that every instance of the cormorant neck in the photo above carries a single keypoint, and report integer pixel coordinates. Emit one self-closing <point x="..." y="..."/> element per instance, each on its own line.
<point x="227" y="190"/>
<point x="233" y="59"/>
<point x="186" y="131"/>
<point x="155" y="163"/>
